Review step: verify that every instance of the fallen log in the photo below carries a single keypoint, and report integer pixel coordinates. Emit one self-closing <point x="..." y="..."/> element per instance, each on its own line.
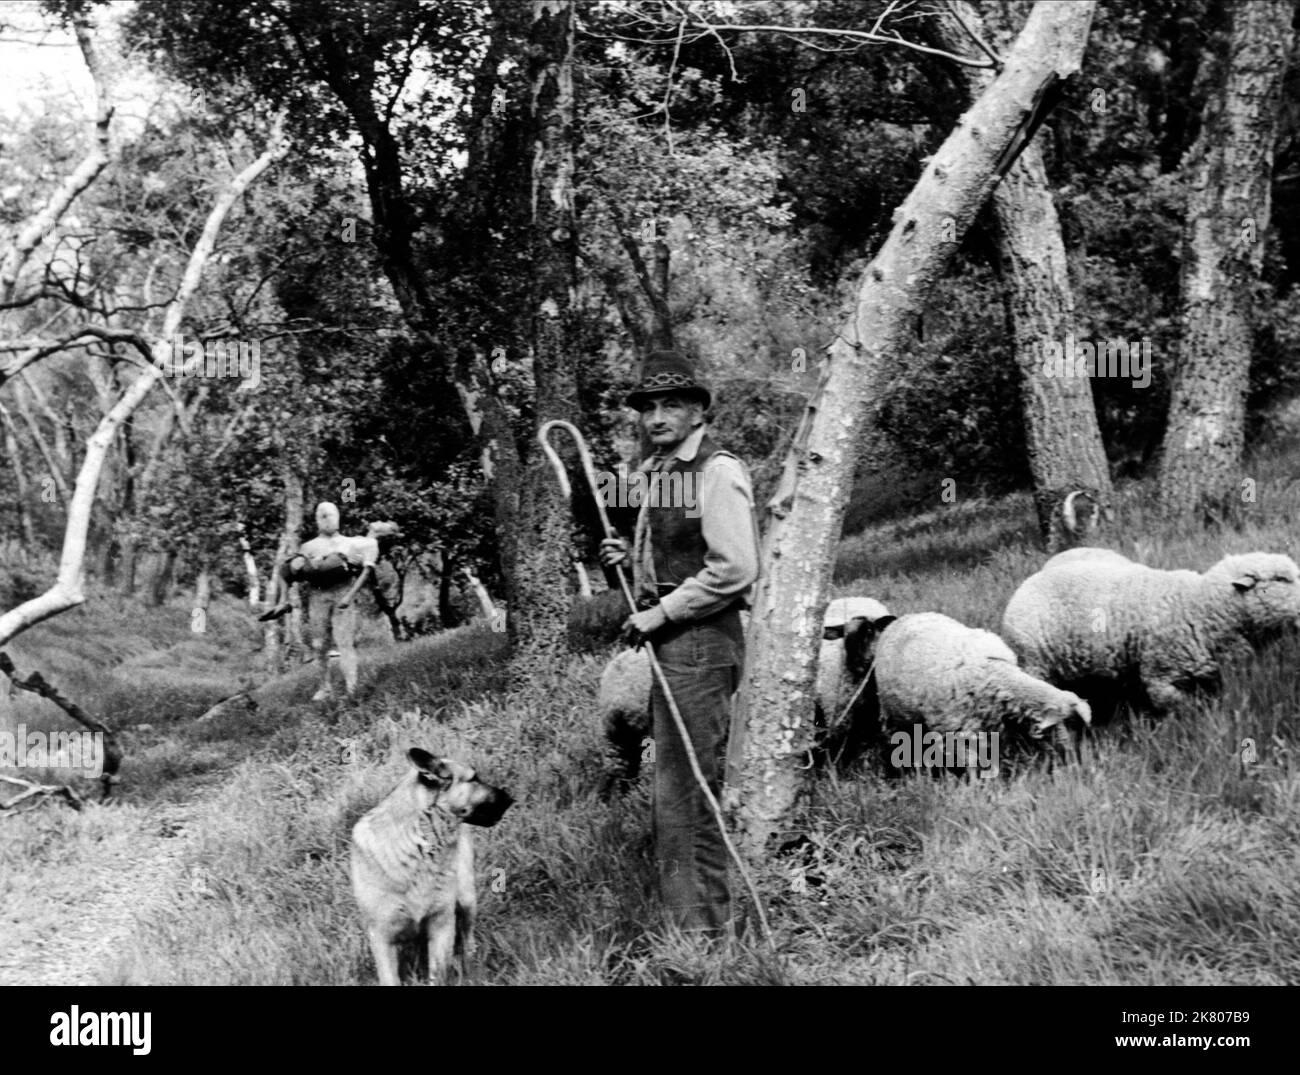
<point x="31" y="791"/>
<point x="37" y="684"/>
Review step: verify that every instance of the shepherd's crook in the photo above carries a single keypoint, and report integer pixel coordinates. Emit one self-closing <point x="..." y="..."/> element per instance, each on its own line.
<point x="589" y="471"/>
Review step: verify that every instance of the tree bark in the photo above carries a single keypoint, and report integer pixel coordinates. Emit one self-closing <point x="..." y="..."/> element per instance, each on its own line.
<point x="254" y="581"/>
<point x="1062" y="438"/>
<point x="770" y="728"/>
<point x="20" y="479"/>
<point x="202" y="600"/>
<point x="162" y="572"/>
<point x="277" y="590"/>
<point x="55" y="472"/>
<point x="1229" y="176"/>
<point x="538" y="601"/>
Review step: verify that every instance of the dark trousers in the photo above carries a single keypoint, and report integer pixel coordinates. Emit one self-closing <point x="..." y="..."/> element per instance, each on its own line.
<point x="702" y="662"/>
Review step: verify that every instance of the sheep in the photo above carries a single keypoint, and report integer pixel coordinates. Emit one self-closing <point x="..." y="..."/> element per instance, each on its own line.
<point x="850" y="627"/>
<point x="623" y="702"/>
<point x="1093" y="620"/>
<point x="959" y="680"/>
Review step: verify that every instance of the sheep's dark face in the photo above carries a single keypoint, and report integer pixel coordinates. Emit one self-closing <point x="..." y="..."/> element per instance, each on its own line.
<point x="860" y="638"/>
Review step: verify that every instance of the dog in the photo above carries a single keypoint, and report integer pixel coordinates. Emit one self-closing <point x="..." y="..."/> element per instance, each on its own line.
<point x="413" y="863"/>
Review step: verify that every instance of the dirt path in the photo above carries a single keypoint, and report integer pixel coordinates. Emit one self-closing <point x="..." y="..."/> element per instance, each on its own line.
<point x="119" y="865"/>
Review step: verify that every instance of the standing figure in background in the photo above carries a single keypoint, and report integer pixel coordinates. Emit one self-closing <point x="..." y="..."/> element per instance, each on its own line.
<point x="333" y="567"/>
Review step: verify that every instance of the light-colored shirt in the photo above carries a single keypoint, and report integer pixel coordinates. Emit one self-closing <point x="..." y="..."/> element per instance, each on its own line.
<point x="727" y="523"/>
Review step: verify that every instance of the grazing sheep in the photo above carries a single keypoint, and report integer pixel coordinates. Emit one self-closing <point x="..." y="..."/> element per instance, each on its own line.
<point x="950" y="678"/>
<point x="850" y="628"/>
<point x="624" y="705"/>
<point x="848" y="634"/>
<point x="1096" y="621"/>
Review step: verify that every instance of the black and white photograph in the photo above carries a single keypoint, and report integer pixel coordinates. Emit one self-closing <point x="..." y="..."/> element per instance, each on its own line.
<point x="732" y="493"/>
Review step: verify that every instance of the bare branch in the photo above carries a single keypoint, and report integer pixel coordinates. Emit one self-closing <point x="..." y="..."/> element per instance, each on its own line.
<point x="957" y="14"/>
<point x="877" y="35"/>
<point x="86" y="172"/>
<point x="54" y="791"/>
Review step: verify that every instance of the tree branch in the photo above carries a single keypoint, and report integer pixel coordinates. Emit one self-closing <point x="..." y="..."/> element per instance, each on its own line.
<point x="94" y="162"/>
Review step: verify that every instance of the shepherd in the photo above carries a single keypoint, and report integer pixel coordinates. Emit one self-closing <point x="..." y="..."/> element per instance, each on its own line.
<point x="334" y="567"/>
<point x="694" y="566"/>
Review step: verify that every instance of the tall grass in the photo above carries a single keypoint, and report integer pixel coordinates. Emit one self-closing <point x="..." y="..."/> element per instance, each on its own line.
<point x="1161" y="858"/>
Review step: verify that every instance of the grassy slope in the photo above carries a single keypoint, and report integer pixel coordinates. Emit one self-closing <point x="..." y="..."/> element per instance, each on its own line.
<point x="1159" y="861"/>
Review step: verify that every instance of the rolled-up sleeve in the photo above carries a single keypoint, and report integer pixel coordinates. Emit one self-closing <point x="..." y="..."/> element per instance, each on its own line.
<point x="731" y="559"/>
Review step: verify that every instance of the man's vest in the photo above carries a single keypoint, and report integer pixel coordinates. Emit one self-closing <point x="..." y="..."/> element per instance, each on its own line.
<point x="676" y="538"/>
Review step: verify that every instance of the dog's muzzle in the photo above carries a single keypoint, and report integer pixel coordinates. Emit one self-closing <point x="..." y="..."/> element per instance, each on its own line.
<point x="488" y="812"/>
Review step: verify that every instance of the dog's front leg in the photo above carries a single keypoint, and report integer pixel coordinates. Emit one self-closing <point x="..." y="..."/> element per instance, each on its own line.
<point x="441" y="928"/>
<point x="464" y="935"/>
<point x="466" y="901"/>
<point x="385" y="952"/>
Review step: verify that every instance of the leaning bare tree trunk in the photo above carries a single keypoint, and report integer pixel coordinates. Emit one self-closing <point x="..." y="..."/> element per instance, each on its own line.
<point x="67" y="591"/>
<point x="1229" y="173"/>
<point x="770" y="726"/>
<point x="1062" y="438"/>
<point x="536" y="599"/>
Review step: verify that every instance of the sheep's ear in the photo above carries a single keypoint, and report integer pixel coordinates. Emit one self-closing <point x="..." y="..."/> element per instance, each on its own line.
<point x="1083" y="711"/>
<point x="1242" y="583"/>
<point x="882" y="623"/>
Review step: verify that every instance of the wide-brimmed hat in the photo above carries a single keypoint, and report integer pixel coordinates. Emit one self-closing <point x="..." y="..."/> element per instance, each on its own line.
<point x="668" y="371"/>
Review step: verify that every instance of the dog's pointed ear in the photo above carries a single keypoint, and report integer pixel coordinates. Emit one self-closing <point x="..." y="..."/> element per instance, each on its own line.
<point x="433" y="770"/>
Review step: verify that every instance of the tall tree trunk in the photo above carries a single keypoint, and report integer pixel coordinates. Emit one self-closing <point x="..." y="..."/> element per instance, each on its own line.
<point x="770" y="728"/>
<point x="538" y="601"/>
<point x="202" y="600"/>
<point x="278" y="591"/>
<point x="61" y="427"/>
<point x="162" y="573"/>
<point x="654" y="278"/>
<point x="54" y="472"/>
<point x="1062" y="438"/>
<point x="253" y="579"/>
<point x="1229" y="175"/>
<point x="129" y="547"/>
<point x="20" y="479"/>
